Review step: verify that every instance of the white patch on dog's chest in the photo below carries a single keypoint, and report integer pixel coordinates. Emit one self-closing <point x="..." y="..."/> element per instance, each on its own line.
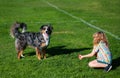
<point x="46" y="38"/>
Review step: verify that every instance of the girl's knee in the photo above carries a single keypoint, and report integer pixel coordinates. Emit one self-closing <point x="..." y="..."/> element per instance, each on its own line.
<point x="90" y="64"/>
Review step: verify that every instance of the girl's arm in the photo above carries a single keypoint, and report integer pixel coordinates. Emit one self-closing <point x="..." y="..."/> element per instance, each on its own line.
<point x="87" y="55"/>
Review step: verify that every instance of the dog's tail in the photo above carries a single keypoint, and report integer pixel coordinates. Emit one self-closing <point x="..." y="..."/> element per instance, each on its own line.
<point x="15" y="29"/>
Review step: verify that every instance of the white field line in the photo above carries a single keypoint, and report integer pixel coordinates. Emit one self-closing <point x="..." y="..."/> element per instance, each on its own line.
<point x="57" y="22"/>
<point x="81" y="20"/>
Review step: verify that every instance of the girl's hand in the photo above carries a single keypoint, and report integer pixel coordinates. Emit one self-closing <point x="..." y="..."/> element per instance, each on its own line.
<point x="80" y="57"/>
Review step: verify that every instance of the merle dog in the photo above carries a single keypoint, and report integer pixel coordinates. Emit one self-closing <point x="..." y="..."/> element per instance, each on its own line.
<point x="38" y="40"/>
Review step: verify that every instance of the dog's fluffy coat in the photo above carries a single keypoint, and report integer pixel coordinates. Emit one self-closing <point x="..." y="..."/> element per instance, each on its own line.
<point x="39" y="40"/>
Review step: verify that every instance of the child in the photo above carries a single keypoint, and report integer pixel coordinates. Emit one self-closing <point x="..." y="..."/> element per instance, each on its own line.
<point x="101" y="51"/>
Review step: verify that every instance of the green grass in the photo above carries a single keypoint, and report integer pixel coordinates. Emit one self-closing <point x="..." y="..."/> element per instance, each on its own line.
<point x="70" y="37"/>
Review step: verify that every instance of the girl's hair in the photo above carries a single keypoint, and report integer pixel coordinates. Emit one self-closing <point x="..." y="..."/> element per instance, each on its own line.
<point x="100" y="36"/>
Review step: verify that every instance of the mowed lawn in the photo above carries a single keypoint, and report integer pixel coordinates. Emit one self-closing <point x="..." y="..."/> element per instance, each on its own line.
<point x="70" y="37"/>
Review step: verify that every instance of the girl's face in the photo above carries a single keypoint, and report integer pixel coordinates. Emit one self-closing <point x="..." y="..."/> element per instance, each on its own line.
<point x="95" y="36"/>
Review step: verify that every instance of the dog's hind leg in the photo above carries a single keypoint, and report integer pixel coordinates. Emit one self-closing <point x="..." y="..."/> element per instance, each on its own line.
<point x="19" y="54"/>
<point x="22" y="55"/>
<point x="38" y="54"/>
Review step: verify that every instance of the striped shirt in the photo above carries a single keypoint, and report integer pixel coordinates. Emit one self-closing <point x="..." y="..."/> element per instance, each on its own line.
<point x="103" y="53"/>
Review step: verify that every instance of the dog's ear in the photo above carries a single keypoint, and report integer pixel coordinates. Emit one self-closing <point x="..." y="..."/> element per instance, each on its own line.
<point x="51" y="27"/>
<point x="41" y="27"/>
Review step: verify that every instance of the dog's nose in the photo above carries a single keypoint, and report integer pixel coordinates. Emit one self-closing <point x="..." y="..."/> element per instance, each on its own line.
<point x="47" y="32"/>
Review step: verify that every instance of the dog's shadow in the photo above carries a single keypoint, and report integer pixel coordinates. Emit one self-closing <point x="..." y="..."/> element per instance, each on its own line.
<point x="32" y="53"/>
<point x="58" y="50"/>
<point x="116" y="63"/>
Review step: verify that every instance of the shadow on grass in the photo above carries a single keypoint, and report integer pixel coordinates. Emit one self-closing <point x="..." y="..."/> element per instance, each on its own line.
<point x="116" y="63"/>
<point x="30" y="53"/>
<point x="59" y="50"/>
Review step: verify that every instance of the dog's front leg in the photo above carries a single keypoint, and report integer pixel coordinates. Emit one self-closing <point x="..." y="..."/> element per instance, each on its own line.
<point x="38" y="54"/>
<point x="43" y="45"/>
<point x="44" y="53"/>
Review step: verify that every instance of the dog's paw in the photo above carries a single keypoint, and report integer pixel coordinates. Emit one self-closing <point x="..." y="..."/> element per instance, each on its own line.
<point x="22" y="56"/>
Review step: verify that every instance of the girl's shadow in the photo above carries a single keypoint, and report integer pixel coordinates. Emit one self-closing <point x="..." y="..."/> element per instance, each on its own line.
<point x="116" y="63"/>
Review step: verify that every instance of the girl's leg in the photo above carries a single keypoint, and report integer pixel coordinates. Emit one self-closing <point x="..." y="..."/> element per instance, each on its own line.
<point x="95" y="64"/>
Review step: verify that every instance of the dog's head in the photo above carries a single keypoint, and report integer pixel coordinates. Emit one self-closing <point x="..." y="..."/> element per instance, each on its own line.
<point x="46" y="29"/>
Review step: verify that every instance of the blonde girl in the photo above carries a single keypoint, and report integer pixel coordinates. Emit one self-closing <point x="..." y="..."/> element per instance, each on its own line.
<point x="101" y="51"/>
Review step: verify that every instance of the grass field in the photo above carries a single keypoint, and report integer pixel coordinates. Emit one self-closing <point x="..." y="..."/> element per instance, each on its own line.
<point x="70" y="37"/>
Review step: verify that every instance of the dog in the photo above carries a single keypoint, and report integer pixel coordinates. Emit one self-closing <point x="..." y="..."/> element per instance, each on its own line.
<point x="38" y="40"/>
